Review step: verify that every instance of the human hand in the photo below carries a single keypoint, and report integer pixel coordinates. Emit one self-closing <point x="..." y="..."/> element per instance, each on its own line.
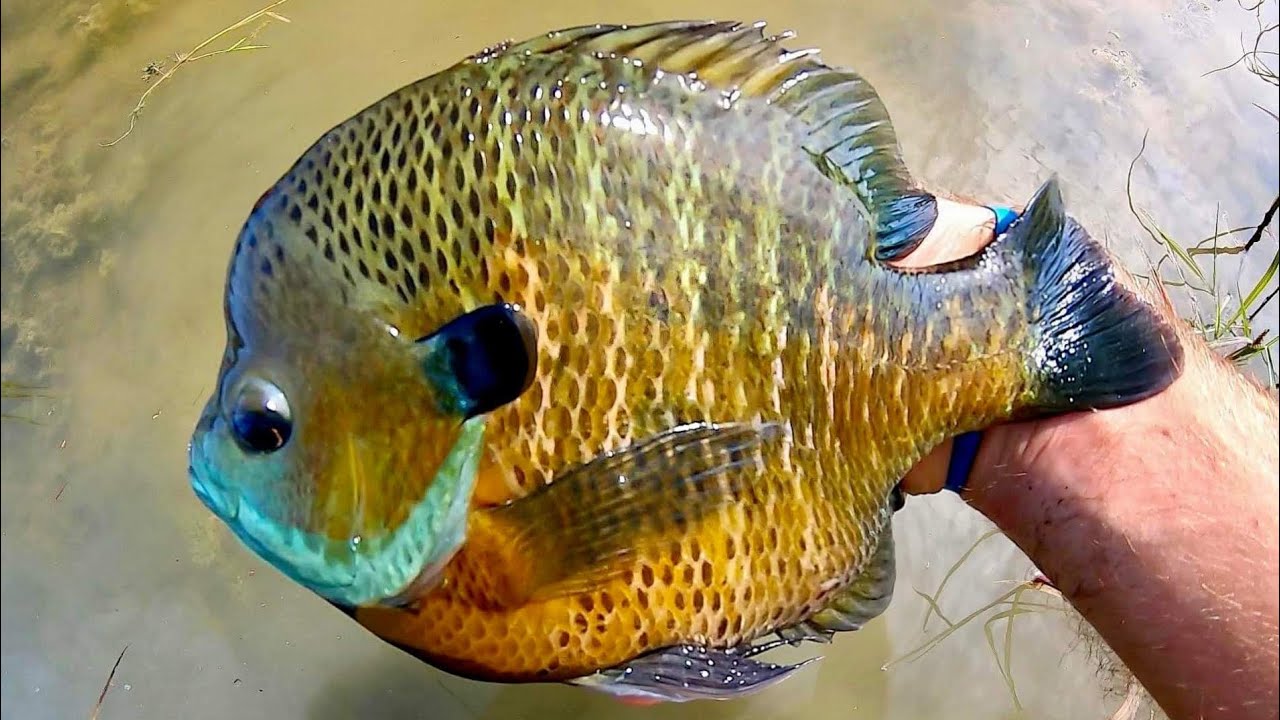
<point x="961" y="230"/>
<point x="1156" y="519"/>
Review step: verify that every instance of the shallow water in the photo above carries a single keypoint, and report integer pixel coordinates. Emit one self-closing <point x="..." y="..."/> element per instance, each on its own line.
<point x="113" y="263"/>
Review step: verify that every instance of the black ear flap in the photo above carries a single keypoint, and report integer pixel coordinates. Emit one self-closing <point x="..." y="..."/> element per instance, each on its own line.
<point x="482" y="360"/>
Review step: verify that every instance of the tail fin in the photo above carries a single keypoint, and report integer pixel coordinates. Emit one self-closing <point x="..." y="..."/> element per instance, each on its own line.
<point x="1096" y="344"/>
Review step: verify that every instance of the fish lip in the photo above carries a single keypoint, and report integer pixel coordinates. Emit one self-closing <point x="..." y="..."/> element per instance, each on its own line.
<point x="213" y="497"/>
<point x="216" y="498"/>
<point x="229" y="505"/>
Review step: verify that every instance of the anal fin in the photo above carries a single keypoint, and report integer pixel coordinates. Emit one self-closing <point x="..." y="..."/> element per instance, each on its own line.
<point x="865" y="599"/>
<point x="693" y="672"/>
<point x="689" y="672"/>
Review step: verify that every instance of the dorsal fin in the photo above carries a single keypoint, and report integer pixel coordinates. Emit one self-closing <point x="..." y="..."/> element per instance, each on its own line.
<point x="850" y="133"/>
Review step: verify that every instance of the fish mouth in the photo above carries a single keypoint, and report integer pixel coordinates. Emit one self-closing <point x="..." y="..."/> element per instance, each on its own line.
<point x="217" y="499"/>
<point x="394" y="568"/>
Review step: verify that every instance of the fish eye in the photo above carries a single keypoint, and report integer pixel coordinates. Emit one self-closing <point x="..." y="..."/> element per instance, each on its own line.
<point x="260" y="416"/>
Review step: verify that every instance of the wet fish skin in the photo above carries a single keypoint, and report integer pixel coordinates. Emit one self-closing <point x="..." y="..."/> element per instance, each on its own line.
<point x="694" y="220"/>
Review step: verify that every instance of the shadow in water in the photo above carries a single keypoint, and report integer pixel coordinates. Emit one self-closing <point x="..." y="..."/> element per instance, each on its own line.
<point x="397" y="686"/>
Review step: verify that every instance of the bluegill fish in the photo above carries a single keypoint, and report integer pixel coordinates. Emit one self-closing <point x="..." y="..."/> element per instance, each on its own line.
<point x="583" y="360"/>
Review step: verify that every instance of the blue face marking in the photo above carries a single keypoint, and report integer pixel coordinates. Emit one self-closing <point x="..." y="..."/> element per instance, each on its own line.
<point x="360" y="571"/>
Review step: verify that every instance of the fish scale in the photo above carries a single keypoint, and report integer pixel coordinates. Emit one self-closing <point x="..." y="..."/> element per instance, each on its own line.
<point x="727" y="380"/>
<point x="692" y="202"/>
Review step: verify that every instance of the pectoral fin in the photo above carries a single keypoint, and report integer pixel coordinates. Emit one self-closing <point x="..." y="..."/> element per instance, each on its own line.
<point x="578" y="531"/>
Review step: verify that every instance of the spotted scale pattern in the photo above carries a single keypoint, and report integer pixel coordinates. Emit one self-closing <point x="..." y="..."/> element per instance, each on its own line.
<point x="657" y="209"/>
<point x="682" y="260"/>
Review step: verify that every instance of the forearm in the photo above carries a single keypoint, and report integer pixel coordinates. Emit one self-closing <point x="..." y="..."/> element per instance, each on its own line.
<point x="1158" y="521"/>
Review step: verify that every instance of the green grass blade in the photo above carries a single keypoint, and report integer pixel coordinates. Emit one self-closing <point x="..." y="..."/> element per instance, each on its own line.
<point x="1258" y="288"/>
<point x="933" y="601"/>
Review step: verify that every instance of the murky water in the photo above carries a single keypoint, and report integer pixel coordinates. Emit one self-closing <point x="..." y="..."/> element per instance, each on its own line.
<point x="113" y="264"/>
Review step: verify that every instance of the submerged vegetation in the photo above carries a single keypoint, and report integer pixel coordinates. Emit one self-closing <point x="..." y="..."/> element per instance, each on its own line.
<point x="1011" y="604"/>
<point x="1221" y="311"/>
<point x="58" y="217"/>
<point x="15" y="393"/>
<point x="1256" y="56"/>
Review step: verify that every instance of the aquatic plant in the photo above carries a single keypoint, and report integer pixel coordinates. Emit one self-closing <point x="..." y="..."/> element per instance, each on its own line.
<point x="10" y="390"/>
<point x="1227" y="323"/>
<point x="262" y="18"/>
<point x="1253" y="55"/>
